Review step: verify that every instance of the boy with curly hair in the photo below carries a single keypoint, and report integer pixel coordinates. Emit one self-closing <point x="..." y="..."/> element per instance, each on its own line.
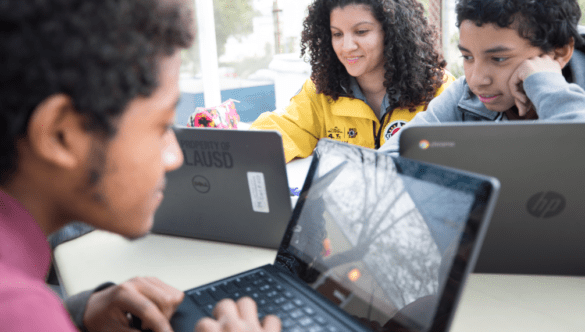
<point x="523" y="59"/>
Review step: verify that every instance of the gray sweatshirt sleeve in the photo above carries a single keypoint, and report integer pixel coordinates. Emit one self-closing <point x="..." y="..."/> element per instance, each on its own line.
<point x="554" y="98"/>
<point x="442" y="108"/>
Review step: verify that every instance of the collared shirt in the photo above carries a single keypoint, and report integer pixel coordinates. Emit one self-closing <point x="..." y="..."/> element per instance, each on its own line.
<point x="26" y="302"/>
<point x="389" y="99"/>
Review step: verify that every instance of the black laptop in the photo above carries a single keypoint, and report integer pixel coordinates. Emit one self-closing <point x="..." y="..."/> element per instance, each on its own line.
<point x="373" y="241"/>
<point x="537" y="227"/>
<point x="232" y="187"/>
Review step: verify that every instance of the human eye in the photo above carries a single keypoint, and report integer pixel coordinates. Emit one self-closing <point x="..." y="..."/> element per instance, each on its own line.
<point x="166" y="129"/>
<point x="336" y="34"/>
<point x="499" y="59"/>
<point x="167" y="126"/>
<point x="466" y="57"/>
<point x="362" y="32"/>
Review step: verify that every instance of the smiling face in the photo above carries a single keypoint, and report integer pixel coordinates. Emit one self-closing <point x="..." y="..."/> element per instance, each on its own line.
<point x="131" y="182"/>
<point x="490" y="56"/>
<point x="358" y="40"/>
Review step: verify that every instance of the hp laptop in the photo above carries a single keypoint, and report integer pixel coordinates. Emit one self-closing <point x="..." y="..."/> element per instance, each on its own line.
<point x="373" y="240"/>
<point x="232" y="187"/>
<point x="537" y="227"/>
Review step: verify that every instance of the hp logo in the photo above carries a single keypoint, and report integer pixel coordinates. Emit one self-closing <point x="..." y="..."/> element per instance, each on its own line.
<point x="546" y="204"/>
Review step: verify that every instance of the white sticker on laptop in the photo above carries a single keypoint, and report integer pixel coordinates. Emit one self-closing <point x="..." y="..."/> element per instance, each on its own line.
<point x="258" y="192"/>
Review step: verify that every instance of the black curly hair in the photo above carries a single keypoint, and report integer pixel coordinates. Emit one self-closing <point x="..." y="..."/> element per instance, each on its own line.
<point x="101" y="53"/>
<point x="547" y="24"/>
<point x="413" y="66"/>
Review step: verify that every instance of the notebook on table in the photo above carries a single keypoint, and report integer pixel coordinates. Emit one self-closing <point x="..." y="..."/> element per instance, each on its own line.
<point x="232" y="187"/>
<point x="537" y="227"/>
<point x="372" y="240"/>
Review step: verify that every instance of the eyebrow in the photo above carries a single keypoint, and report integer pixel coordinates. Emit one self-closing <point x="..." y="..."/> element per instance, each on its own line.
<point x="355" y="25"/>
<point x="496" y="49"/>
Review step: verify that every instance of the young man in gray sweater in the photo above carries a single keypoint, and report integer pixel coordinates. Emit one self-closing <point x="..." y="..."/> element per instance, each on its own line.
<point x="522" y="59"/>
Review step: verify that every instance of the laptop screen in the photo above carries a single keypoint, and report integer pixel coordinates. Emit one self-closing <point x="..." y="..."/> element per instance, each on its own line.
<point x="378" y="236"/>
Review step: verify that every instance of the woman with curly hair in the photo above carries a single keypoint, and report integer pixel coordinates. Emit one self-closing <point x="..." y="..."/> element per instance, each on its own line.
<point x="374" y="67"/>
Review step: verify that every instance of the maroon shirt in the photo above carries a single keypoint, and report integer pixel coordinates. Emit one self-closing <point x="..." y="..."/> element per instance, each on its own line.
<point x="26" y="302"/>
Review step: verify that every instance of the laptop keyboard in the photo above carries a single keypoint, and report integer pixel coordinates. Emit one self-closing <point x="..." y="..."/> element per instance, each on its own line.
<point x="272" y="298"/>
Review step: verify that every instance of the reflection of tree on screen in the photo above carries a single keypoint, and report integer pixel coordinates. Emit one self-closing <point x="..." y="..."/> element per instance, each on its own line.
<point x="370" y="204"/>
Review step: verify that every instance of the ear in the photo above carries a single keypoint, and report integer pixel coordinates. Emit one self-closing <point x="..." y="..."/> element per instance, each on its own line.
<point x="564" y="54"/>
<point x="56" y="133"/>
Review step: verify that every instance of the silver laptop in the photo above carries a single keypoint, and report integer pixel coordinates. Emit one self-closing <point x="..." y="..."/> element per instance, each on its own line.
<point x="373" y="240"/>
<point x="232" y="187"/>
<point x="537" y="227"/>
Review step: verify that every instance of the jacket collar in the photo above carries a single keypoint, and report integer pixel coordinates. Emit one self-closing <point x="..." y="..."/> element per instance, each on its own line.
<point x="470" y="103"/>
<point x="575" y="68"/>
<point x="355" y="90"/>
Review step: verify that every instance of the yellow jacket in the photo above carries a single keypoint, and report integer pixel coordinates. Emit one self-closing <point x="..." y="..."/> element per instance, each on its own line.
<point x="311" y="116"/>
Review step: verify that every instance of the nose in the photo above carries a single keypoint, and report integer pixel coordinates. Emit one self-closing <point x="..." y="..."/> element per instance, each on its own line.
<point x="479" y="75"/>
<point x="172" y="155"/>
<point x="349" y="43"/>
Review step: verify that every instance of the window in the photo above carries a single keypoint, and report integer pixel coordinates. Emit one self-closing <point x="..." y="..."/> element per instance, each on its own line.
<point x="257" y="56"/>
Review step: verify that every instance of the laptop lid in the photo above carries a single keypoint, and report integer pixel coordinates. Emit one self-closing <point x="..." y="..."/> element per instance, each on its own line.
<point x="537" y="226"/>
<point x="232" y="187"/>
<point x="388" y="240"/>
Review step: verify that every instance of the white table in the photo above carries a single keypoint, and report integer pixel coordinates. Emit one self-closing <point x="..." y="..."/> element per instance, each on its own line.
<point x="521" y="303"/>
<point x="489" y="302"/>
<point x="184" y="263"/>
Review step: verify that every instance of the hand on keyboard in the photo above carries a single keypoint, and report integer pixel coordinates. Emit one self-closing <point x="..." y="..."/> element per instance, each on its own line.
<point x="238" y="316"/>
<point x="146" y="303"/>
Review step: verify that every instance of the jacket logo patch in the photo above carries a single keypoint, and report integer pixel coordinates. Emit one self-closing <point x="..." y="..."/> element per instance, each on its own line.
<point x="393" y="128"/>
<point x="335" y="133"/>
<point x="352" y="133"/>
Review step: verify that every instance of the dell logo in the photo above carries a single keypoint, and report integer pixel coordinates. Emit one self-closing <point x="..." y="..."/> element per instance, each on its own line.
<point x="200" y="184"/>
<point x="546" y="204"/>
